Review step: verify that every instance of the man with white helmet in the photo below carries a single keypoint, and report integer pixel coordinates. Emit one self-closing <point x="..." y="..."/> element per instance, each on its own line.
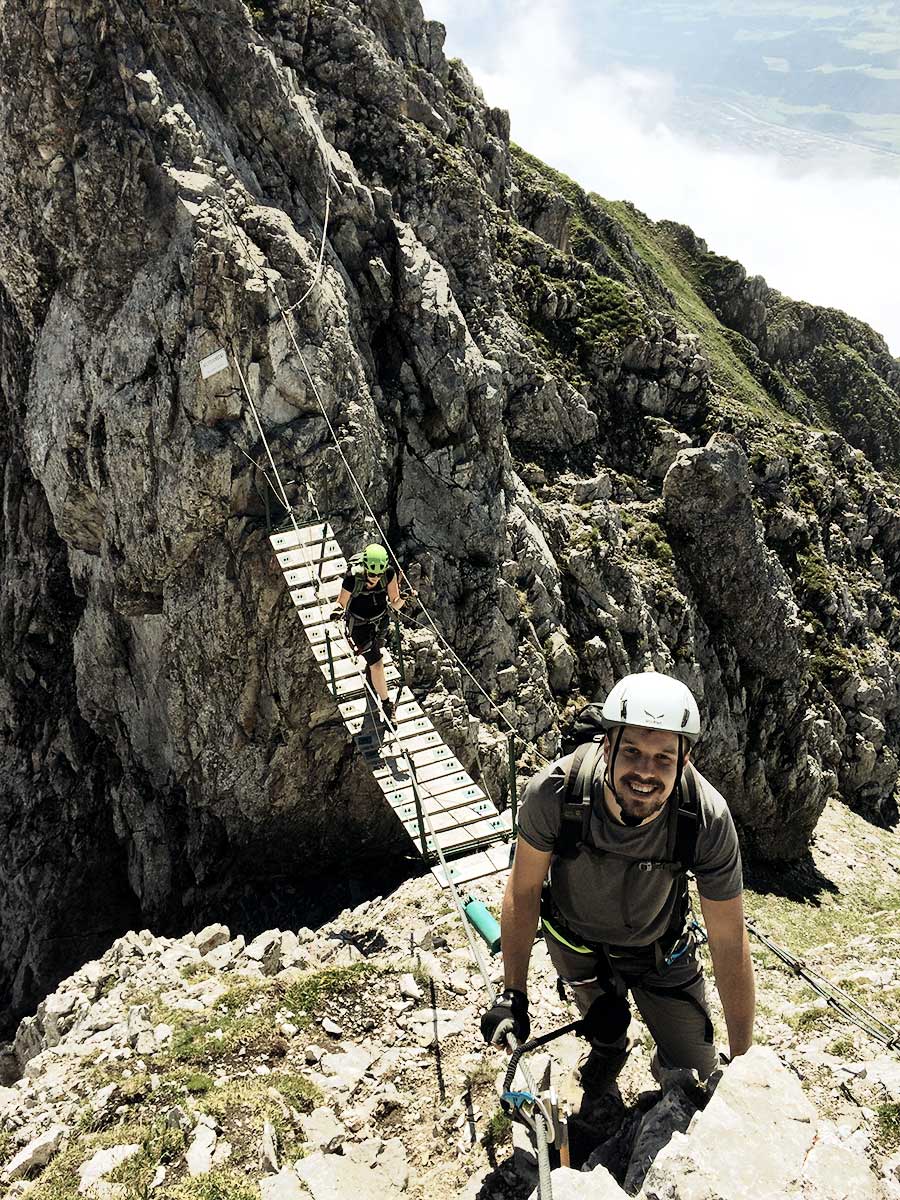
<point x="616" y="825"/>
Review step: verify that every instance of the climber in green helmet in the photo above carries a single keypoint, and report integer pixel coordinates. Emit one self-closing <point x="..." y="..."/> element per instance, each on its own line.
<point x="368" y="591"/>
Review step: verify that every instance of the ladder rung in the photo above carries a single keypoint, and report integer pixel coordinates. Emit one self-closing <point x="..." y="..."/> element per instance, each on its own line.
<point x="452" y="838"/>
<point x="445" y="787"/>
<point x="340" y="648"/>
<point x="406" y="712"/>
<point x="308" y="597"/>
<point x="438" y="768"/>
<point x="426" y="758"/>
<point x="357" y="707"/>
<point x="299" y="558"/>
<point x="460" y="814"/>
<point x="472" y="867"/>
<point x="407" y="726"/>
<point x="307" y="536"/>
<point x="355" y="682"/>
<point x="316" y="619"/>
<point x="420" y="741"/>
<point x="404" y="805"/>
<point x="465" y="794"/>
<point x="303" y="576"/>
<point x="450" y="783"/>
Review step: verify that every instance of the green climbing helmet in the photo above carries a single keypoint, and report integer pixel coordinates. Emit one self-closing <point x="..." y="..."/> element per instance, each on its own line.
<point x="375" y="559"/>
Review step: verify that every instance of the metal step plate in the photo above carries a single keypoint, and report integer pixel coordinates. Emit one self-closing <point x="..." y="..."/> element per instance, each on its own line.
<point x="463" y="817"/>
<point x="315" y="621"/>
<point x="306" y="535"/>
<point x="306" y="597"/>
<point x="355" y="682"/>
<point x="315" y="553"/>
<point x="304" y="575"/>
<point x="468" y="797"/>
<point x="458" y="810"/>
<point x="493" y="861"/>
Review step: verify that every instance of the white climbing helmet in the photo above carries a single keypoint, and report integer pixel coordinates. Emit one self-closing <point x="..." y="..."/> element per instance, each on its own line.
<point x="651" y="700"/>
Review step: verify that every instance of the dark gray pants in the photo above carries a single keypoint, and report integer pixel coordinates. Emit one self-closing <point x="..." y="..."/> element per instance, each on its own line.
<point x="671" y="1000"/>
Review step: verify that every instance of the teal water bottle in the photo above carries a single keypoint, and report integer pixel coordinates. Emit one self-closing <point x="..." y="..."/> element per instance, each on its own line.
<point x="483" y="920"/>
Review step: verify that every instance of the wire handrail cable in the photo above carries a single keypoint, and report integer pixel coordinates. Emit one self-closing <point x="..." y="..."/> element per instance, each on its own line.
<point x="346" y="462"/>
<point x="834" y="996"/>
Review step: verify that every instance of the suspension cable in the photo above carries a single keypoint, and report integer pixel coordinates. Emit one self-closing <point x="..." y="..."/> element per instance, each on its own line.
<point x="284" y="314"/>
<point x="834" y="996"/>
<point x="541" y="1126"/>
<point x="544" y="1186"/>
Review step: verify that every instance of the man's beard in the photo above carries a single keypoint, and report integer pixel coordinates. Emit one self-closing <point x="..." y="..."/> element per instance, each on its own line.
<point x="635" y="809"/>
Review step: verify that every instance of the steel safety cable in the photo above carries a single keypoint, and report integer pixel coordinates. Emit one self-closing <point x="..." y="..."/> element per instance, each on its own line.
<point x="835" y="997"/>
<point x="360" y="490"/>
<point x="541" y="1134"/>
<point x="405" y="616"/>
<point x="544" y="1181"/>
<point x="315" y="577"/>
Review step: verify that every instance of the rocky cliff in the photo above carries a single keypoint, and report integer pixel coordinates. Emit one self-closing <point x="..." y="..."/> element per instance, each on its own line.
<point x="597" y="446"/>
<point x="347" y="1061"/>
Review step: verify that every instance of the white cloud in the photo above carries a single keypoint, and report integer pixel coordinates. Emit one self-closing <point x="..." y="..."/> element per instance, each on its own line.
<point x="820" y="233"/>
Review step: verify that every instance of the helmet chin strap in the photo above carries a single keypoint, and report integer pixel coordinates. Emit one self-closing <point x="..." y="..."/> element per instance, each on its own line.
<point x="611" y="779"/>
<point x="627" y="818"/>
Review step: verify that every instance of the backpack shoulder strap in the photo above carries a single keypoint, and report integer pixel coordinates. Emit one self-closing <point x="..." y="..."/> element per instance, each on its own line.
<point x="688" y="821"/>
<point x="576" y="798"/>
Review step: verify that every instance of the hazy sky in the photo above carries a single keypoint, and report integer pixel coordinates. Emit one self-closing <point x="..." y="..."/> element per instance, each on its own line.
<point x="830" y="234"/>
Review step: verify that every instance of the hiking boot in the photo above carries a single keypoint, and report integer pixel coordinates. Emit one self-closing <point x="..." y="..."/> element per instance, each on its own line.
<point x="601" y="1068"/>
<point x="670" y="1077"/>
<point x="387" y="708"/>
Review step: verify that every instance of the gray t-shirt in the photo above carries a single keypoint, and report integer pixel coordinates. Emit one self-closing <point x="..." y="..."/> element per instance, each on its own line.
<point x="591" y="891"/>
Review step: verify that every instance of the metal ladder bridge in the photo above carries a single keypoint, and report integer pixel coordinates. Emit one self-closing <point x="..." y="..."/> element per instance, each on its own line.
<point x="425" y="784"/>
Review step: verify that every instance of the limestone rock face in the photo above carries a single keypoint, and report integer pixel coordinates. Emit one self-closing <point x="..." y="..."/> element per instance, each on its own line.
<point x="744" y="592"/>
<point x="758" y="1103"/>
<point x="508" y="382"/>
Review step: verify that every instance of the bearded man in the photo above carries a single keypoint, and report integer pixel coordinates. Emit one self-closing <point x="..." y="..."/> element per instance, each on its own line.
<point x="606" y="837"/>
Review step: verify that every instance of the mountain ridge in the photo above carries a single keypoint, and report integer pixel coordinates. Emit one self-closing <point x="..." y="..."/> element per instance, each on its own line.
<point x="550" y="439"/>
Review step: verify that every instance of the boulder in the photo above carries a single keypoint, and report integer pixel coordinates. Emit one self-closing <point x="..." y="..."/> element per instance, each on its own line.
<point x="200" y="1152"/>
<point x="36" y="1154"/>
<point x="597" y="1184"/>
<point x="212" y="936"/>
<point x="757" y="1103"/>
<point x="374" y="1169"/>
<point x="99" y="1166"/>
<point x="283" y="1186"/>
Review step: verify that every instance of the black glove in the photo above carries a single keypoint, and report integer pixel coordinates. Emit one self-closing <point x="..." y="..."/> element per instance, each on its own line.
<point x="508" y="1015"/>
<point x="337" y="613"/>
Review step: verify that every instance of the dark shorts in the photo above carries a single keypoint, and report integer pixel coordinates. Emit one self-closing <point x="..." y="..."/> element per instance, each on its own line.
<point x="365" y="637"/>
